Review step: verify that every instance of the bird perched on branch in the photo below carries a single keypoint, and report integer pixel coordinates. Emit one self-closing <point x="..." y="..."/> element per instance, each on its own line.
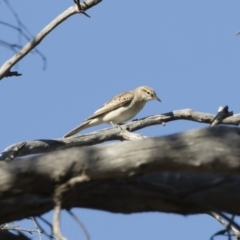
<point x="121" y="108"/>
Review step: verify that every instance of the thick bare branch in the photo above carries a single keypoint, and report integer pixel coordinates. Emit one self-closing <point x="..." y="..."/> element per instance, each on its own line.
<point x="182" y="173"/>
<point x="44" y="145"/>
<point x="6" y="235"/>
<point x="5" y="69"/>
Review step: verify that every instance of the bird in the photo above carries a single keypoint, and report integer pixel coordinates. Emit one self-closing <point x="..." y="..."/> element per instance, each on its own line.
<point x="119" y="109"/>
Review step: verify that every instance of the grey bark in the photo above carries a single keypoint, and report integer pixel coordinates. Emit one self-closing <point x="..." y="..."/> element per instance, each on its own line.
<point x="186" y="173"/>
<point x="46" y="145"/>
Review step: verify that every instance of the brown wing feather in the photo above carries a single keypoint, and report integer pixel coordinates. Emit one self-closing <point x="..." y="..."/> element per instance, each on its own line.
<point x="120" y="100"/>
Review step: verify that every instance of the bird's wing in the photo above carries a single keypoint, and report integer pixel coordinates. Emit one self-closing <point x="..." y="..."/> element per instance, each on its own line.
<point x="120" y="100"/>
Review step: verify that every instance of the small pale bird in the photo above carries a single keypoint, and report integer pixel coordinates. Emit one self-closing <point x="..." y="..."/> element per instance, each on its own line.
<point x="121" y="108"/>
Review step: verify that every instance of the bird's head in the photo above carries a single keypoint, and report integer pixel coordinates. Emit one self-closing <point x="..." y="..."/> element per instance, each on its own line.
<point x="148" y="94"/>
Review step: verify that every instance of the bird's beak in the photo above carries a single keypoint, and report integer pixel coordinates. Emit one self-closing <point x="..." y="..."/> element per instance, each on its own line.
<point x="158" y="99"/>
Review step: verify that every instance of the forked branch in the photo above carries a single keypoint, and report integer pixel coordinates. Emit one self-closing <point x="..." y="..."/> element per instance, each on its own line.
<point x="6" y="67"/>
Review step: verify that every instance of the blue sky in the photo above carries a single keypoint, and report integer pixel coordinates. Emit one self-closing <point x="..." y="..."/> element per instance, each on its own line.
<point x="185" y="50"/>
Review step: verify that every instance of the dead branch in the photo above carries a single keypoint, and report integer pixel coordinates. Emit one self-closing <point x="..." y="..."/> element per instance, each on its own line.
<point x="56" y="222"/>
<point x="5" y="69"/>
<point x="229" y="226"/>
<point x="60" y="190"/>
<point x="222" y="114"/>
<point x="85" y="231"/>
<point x="50" y="236"/>
<point x="46" y="145"/>
<point x="6" y="235"/>
<point x="184" y="173"/>
<point x="22" y="32"/>
<point x="6" y="228"/>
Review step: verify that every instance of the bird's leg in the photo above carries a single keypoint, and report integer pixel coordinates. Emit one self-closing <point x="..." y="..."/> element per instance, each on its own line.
<point x="117" y="125"/>
<point x="112" y="124"/>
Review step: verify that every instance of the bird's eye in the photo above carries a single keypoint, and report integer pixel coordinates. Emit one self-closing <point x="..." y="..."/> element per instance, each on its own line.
<point x="148" y="92"/>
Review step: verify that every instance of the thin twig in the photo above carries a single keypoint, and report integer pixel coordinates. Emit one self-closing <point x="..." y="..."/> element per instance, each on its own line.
<point x="12" y="46"/>
<point x="37" y="228"/>
<point x="19" y="229"/>
<point x="230" y="225"/>
<point x="47" y="223"/>
<point x="223" y="215"/>
<point x="85" y="231"/>
<point x="16" y="17"/>
<point x="21" y="33"/>
<point x="41" y="228"/>
<point x="42" y="34"/>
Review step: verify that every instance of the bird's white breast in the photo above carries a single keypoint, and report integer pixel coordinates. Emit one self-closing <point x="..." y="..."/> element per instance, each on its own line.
<point x="123" y="114"/>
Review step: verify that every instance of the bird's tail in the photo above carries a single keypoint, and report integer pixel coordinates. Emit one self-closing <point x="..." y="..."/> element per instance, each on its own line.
<point x="79" y="128"/>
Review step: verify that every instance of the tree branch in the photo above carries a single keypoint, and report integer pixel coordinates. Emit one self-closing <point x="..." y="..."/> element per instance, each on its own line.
<point x="182" y="173"/>
<point x="222" y="114"/>
<point x="228" y="225"/>
<point x="5" y="69"/>
<point x="44" y="145"/>
<point x="6" y="235"/>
